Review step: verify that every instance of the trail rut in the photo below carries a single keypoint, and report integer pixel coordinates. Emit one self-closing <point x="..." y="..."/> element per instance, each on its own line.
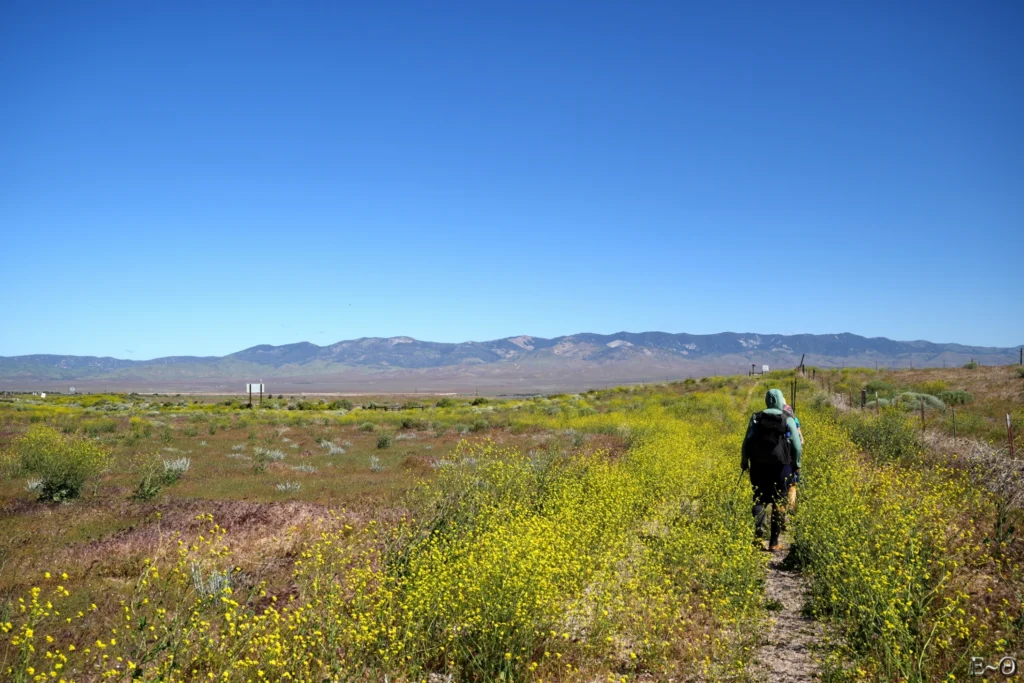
<point x="787" y="656"/>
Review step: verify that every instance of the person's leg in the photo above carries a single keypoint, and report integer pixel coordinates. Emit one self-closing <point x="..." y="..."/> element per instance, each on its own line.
<point x="778" y="511"/>
<point x="762" y="499"/>
<point x="760" y="512"/>
<point x="763" y="483"/>
<point x="780" y="488"/>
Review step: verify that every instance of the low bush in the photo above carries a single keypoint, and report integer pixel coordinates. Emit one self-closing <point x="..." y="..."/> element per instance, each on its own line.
<point x="261" y="457"/>
<point x="955" y="397"/>
<point x="881" y="387"/>
<point x="175" y="469"/>
<point x="384" y="441"/>
<point x="99" y="426"/>
<point x="890" y="436"/>
<point x="368" y="427"/>
<point x="934" y="388"/>
<point x="912" y="400"/>
<point x="63" y="464"/>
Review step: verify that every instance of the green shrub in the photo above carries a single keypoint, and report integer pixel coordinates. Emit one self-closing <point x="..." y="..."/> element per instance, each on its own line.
<point x="879" y="386"/>
<point x="820" y="400"/>
<point x="384" y="441"/>
<point x="934" y="388"/>
<point x="479" y="424"/>
<point x="1020" y="372"/>
<point x="911" y="400"/>
<point x="445" y="403"/>
<point x="478" y="401"/>
<point x="65" y="423"/>
<point x="368" y="427"/>
<point x="889" y="436"/>
<point x="63" y="464"/>
<point x="261" y="457"/>
<point x="190" y="430"/>
<point x="151" y="480"/>
<point x="971" y="366"/>
<point x="955" y="397"/>
<point x="140" y="427"/>
<point x="149" y="486"/>
<point x="100" y="426"/>
<point x="343" y="404"/>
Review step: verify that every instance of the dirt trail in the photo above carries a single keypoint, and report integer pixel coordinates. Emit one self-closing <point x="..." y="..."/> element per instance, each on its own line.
<point x="787" y="656"/>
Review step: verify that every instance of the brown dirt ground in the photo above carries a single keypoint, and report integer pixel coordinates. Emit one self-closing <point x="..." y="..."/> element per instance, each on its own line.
<point x="787" y="655"/>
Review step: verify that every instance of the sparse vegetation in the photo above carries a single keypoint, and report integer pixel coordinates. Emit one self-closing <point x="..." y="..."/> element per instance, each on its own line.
<point x="605" y="529"/>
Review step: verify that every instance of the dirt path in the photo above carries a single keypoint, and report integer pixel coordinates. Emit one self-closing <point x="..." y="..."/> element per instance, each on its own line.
<point x="787" y="656"/>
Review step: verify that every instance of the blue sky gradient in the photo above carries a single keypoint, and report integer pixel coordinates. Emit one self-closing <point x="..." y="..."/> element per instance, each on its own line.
<point x="195" y="178"/>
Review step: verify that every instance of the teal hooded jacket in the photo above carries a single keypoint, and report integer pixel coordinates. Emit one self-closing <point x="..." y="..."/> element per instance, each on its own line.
<point x="774" y="402"/>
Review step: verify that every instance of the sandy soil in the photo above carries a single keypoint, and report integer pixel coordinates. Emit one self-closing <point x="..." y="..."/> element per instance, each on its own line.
<point x="787" y="655"/>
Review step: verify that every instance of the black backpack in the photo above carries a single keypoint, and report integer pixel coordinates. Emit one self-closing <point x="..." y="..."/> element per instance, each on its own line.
<point x="769" y="442"/>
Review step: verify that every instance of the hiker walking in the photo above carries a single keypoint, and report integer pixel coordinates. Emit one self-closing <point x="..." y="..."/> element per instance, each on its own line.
<point x="788" y="411"/>
<point x="771" y="451"/>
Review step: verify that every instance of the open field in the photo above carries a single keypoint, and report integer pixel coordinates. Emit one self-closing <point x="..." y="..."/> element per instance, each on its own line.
<point x="570" y="537"/>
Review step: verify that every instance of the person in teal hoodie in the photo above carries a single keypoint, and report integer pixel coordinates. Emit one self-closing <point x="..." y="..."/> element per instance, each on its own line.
<point x="772" y="451"/>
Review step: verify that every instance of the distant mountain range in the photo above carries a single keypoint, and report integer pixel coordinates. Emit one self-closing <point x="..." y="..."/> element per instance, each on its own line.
<point x="523" y="363"/>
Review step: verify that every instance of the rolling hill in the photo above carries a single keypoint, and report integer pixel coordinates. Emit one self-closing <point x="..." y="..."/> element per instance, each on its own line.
<point x="523" y="363"/>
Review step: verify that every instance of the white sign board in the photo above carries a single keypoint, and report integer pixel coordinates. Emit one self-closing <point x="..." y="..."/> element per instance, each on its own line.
<point x="42" y="395"/>
<point x="764" y="369"/>
<point x="72" y="390"/>
<point x="254" y="388"/>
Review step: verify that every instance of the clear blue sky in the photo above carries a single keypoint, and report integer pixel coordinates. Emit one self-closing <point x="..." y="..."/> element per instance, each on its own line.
<point x="199" y="177"/>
